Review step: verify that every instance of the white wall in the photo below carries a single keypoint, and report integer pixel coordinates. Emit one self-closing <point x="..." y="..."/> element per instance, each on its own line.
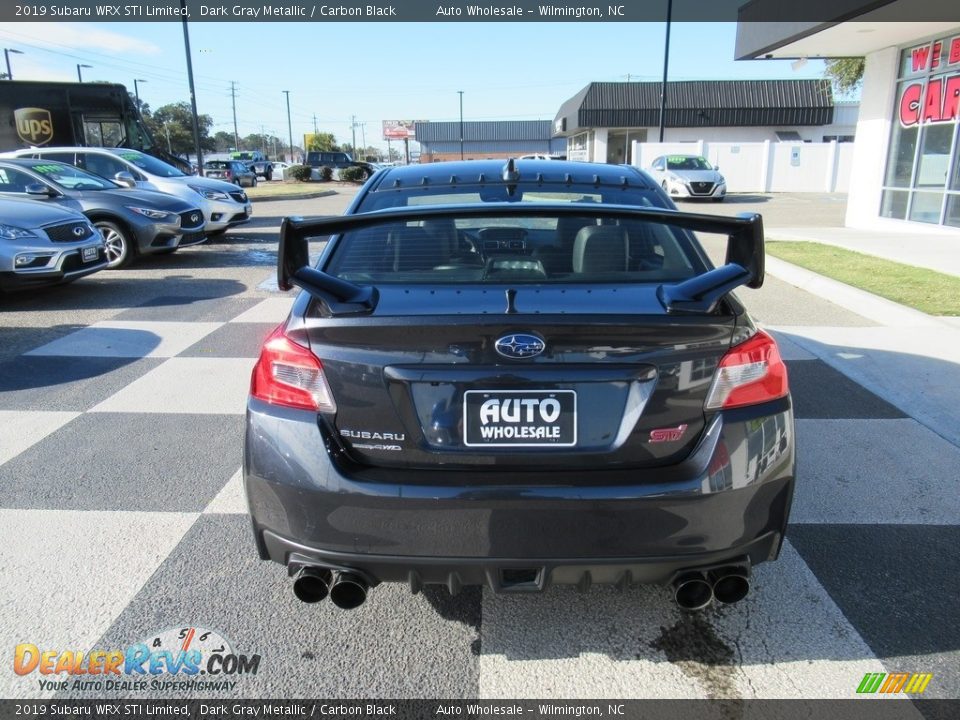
<point x="873" y="136"/>
<point x="766" y="166"/>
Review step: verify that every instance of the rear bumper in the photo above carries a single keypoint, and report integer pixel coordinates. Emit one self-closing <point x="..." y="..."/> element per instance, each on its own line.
<point x="440" y="526"/>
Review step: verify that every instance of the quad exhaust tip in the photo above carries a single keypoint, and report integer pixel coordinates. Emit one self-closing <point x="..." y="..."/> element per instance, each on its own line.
<point x="692" y="592"/>
<point x="349" y="591"/>
<point x="311" y="584"/>
<point x="731" y="586"/>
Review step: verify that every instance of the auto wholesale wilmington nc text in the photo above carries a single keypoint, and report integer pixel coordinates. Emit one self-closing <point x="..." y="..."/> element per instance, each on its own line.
<point x="517" y="11"/>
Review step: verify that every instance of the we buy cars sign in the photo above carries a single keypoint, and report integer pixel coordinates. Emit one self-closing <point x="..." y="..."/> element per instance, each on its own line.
<point x="937" y="99"/>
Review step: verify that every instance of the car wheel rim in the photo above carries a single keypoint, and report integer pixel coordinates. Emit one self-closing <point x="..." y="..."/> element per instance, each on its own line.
<point x="114" y="245"/>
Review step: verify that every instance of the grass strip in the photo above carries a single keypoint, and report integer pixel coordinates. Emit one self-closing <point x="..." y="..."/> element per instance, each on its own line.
<point x="926" y="290"/>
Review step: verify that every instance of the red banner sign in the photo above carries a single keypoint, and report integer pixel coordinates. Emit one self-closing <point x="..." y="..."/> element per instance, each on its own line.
<point x="936" y="101"/>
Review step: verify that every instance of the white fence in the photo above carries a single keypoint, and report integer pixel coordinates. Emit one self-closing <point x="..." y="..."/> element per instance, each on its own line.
<point x="765" y="166"/>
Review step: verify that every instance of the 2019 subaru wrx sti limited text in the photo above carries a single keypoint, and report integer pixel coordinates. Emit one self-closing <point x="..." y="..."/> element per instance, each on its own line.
<point x="518" y="375"/>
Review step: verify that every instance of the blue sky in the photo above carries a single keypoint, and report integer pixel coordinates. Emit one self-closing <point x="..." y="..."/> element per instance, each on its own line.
<point x="377" y="71"/>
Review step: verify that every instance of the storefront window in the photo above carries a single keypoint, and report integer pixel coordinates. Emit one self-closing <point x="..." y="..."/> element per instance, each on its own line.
<point x="922" y="179"/>
<point x="903" y="147"/>
<point x="894" y="204"/>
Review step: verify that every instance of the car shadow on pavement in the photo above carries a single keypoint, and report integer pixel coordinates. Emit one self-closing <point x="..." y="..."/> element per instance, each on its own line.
<point x="116" y="289"/>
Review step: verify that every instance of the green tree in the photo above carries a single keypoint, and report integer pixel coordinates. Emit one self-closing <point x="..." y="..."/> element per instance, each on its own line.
<point x="223" y="141"/>
<point x="322" y="142"/>
<point x="174" y="121"/>
<point x="846" y="74"/>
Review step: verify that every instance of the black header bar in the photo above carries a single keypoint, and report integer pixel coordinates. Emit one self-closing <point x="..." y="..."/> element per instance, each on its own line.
<point x="461" y="11"/>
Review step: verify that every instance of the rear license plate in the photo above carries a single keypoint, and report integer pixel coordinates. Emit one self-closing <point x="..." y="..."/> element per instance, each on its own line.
<point x="520" y="418"/>
<point x="89" y="254"/>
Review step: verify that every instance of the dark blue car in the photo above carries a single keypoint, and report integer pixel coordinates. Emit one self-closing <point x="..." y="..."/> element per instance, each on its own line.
<point x="518" y="374"/>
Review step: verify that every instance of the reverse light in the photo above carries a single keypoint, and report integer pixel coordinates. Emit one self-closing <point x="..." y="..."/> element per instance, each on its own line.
<point x="290" y="375"/>
<point x="750" y="373"/>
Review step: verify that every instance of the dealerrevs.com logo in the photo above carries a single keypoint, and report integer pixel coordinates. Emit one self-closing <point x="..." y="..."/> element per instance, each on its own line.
<point x="179" y="659"/>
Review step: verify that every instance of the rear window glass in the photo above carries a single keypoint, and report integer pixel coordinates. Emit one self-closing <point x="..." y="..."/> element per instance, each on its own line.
<point x="515" y="249"/>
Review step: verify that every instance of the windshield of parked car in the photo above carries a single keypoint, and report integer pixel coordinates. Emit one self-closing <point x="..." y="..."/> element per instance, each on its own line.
<point x="515" y="249"/>
<point x="685" y="162"/>
<point x="149" y="164"/>
<point x="72" y="178"/>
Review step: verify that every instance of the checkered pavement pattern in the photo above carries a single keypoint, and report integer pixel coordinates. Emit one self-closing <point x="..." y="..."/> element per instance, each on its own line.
<point x="122" y="514"/>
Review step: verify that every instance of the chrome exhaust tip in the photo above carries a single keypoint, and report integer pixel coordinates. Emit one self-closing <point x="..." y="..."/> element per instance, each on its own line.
<point x="692" y="592"/>
<point x="312" y="584"/>
<point x="348" y="591"/>
<point x="730" y="587"/>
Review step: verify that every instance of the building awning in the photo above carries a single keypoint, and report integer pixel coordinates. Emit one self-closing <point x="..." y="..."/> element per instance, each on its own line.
<point x="702" y="103"/>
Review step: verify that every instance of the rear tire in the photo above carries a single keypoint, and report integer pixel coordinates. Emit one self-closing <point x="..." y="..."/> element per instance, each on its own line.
<point x="253" y="183"/>
<point x="119" y="242"/>
<point x="268" y="176"/>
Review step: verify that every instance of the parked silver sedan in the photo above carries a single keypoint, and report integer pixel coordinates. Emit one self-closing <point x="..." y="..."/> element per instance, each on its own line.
<point x="46" y="245"/>
<point x="688" y="176"/>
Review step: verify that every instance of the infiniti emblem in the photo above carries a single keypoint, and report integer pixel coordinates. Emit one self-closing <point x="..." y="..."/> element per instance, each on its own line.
<point x="519" y="345"/>
<point x="79" y="231"/>
<point x="194" y="218"/>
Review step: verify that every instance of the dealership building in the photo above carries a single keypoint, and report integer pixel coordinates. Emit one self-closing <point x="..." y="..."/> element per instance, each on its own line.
<point x="906" y="159"/>
<point x="602" y="122"/>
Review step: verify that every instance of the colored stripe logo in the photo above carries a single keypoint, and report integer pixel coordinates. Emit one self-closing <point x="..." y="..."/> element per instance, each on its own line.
<point x="911" y="683"/>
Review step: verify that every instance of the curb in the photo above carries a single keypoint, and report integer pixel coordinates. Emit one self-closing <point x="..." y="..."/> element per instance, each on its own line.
<point x="301" y="196"/>
<point x="873" y="307"/>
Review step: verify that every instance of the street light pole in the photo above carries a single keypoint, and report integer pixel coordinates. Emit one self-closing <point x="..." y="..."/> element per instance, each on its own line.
<point x="136" y="91"/>
<point x="79" y="74"/>
<point x="289" y="126"/>
<point x="460" y="92"/>
<point x="666" y="63"/>
<point x="6" y="56"/>
<point x="193" y="92"/>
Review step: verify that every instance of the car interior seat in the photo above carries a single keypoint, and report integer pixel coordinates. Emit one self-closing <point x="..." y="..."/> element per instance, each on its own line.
<point x="601" y="248"/>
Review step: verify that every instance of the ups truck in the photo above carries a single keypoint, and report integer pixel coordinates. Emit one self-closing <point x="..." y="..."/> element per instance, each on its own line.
<point x="38" y="114"/>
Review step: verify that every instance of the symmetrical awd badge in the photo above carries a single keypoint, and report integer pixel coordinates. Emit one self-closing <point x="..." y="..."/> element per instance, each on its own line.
<point x="519" y="345"/>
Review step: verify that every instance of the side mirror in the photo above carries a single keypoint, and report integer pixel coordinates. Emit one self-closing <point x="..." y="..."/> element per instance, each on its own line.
<point x="717" y="168"/>
<point x="125" y="178"/>
<point x="39" y="189"/>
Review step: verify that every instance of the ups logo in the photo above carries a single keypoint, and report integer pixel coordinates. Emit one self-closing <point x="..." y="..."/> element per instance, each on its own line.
<point x="34" y="125"/>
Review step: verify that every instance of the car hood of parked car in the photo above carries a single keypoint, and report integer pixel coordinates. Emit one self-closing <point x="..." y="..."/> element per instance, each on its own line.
<point x="207" y="183"/>
<point x="29" y="214"/>
<point x="148" y="198"/>
<point x="697" y="175"/>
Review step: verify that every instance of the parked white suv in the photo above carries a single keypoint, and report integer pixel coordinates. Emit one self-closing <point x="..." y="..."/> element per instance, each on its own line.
<point x="223" y="204"/>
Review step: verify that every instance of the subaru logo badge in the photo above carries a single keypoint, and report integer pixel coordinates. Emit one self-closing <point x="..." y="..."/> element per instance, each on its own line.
<point x="79" y="231"/>
<point x="519" y="345"/>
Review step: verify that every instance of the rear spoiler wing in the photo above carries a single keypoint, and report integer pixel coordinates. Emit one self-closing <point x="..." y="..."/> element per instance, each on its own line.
<point x="744" y="260"/>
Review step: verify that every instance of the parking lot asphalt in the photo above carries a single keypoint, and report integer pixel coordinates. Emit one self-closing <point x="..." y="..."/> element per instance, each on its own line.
<point x="122" y="516"/>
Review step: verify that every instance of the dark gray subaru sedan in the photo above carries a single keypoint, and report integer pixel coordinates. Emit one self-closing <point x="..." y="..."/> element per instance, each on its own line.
<point x="516" y="375"/>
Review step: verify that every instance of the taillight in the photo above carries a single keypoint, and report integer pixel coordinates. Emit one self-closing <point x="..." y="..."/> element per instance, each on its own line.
<point x="289" y="374"/>
<point x="750" y="373"/>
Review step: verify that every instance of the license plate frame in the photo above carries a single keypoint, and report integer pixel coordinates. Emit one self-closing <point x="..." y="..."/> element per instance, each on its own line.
<point x="521" y="432"/>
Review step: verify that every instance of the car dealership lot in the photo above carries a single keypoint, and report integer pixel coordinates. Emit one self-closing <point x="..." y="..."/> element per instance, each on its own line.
<point x="122" y="515"/>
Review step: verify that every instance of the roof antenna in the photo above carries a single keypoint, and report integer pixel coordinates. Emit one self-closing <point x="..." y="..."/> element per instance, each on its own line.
<point x="511" y="175"/>
<point x="511" y="302"/>
<point x="510" y="172"/>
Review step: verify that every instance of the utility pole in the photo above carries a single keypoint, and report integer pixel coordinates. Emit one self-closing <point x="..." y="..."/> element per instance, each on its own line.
<point x="315" y="130"/>
<point x="233" y="102"/>
<point x="461" y="123"/>
<point x="6" y="56"/>
<point x="389" y="151"/>
<point x="289" y="126"/>
<point x="136" y="91"/>
<point x="193" y="92"/>
<point x="353" y="130"/>
<point x="80" y="74"/>
<point x="666" y="63"/>
<point x="363" y="138"/>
